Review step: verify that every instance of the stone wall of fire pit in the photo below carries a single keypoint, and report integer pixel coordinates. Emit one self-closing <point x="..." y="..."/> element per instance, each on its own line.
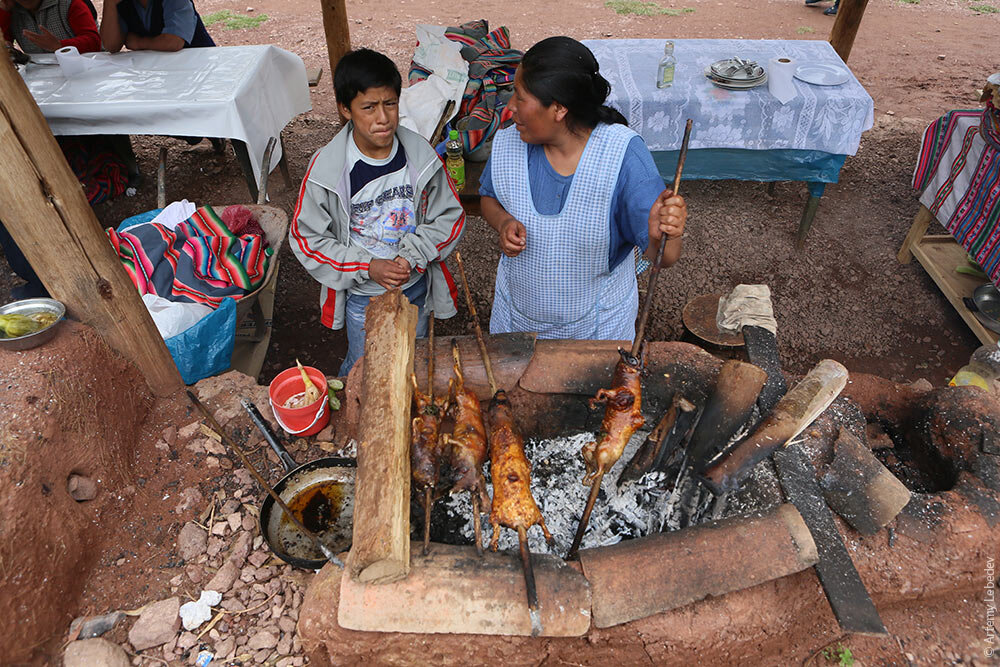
<point x="942" y="443"/>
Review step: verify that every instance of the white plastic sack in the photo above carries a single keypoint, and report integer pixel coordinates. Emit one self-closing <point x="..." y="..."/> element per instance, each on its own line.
<point x="422" y="104"/>
<point x="175" y="213"/>
<point x="172" y="317"/>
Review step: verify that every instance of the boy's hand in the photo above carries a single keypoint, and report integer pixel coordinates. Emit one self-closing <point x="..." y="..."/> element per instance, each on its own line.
<point x="667" y="216"/>
<point x="513" y="237"/>
<point x="388" y="273"/>
<point x="44" y="39"/>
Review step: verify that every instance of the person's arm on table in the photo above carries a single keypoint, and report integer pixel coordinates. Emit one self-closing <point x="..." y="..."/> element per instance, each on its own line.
<point x="162" y="42"/>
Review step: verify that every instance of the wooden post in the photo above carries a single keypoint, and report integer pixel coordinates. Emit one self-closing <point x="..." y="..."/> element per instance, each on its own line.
<point x="338" y="34"/>
<point x="47" y="214"/>
<point x="845" y="27"/>
<point x="381" y="549"/>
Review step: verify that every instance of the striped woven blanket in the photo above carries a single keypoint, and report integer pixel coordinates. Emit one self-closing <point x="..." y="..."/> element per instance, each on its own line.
<point x="958" y="170"/>
<point x="200" y="261"/>
<point x="492" y="63"/>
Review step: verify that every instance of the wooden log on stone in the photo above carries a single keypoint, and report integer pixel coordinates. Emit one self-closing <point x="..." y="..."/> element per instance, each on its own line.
<point x="681" y="567"/>
<point x="728" y="408"/>
<point x="48" y="216"/>
<point x="859" y="488"/>
<point x="381" y="549"/>
<point x="793" y="413"/>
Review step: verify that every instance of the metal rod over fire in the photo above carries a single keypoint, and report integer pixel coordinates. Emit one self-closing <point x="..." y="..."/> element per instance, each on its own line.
<point x="633" y="360"/>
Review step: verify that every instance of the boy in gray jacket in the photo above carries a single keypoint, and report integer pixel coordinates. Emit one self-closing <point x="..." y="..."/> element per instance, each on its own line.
<point x="376" y="210"/>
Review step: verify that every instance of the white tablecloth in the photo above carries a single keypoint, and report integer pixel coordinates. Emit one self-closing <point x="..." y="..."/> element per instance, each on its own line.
<point x="824" y="118"/>
<point x="247" y="93"/>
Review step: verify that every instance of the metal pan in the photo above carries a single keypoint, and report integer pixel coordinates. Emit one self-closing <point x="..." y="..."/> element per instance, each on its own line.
<point x="985" y="304"/>
<point x="320" y="493"/>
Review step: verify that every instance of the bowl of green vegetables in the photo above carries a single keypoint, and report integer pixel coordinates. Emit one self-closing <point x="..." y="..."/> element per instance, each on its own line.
<point x="29" y="323"/>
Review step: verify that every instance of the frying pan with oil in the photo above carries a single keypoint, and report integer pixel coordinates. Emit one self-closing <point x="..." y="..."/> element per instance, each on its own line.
<point x="320" y="493"/>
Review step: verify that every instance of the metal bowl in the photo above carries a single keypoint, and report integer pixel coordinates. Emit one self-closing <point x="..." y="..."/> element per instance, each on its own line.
<point x="28" y="307"/>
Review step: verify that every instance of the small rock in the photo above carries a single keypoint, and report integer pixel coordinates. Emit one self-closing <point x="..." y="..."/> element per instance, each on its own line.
<point x="247" y="573"/>
<point x="249" y="9"/>
<point x="940" y="56"/>
<point x="230" y="506"/>
<point x="224" y="578"/>
<point x="94" y="626"/>
<point x="162" y="446"/>
<point x="260" y="657"/>
<point x="220" y="528"/>
<point x="258" y="558"/>
<point x="248" y="522"/>
<point x="225" y="463"/>
<point x="81" y="488"/>
<point x="286" y="624"/>
<point x="215" y="545"/>
<point x="187" y="640"/>
<point x="211" y="462"/>
<point x="285" y="662"/>
<point x="156" y="625"/>
<point x="177" y="581"/>
<point x="186" y="432"/>
<point x="284" y="646"/>
<point x="225" y="646"/>
<point x="235" y="521"/>
<point x="262" y="640"/>
<point x="257" y="541"/>
<point x="169" y="435"/>
<point x="190" y="498"/>
<point x="90" y="652"/>
<point x="890" y="113"/>
<point x="196" y="446"/>
<point x="192" y="541"/>
<point x="264" y="573"/>
<point x="325" y="435"/>
<point x="213" y="446"/>
<point x="243" y="477"/>
<point x="241" y="549"/>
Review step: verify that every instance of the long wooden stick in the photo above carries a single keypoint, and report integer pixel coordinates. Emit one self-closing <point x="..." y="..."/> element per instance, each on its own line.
<point x="529" y="582"/>
<point x="475" y="321"/>
<point x="330" y="556"/>
<point x="429" y="492"/>
<point x="654" y="272"/>
<point x="477" y="521"/>
<point x="428" y="504"/>
<point x="585" y="519"/>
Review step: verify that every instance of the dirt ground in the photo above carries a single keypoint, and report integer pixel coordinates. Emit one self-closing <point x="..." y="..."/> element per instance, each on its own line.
<point x="844" y="297"/>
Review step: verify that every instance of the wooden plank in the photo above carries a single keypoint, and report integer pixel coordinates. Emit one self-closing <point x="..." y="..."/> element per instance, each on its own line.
<point x="939" y="255"/>
<point x="338" y="34"/>
<point x="313" y="75"/>
<point x="381" y="549"/>
<point x="649" y="575"/>
<point x="847" y="594"/>
<point x="845" y="26"/>
<point x="452" y="590"/>
<point x="921" y="221"/>
<point x="47" y="214"/>
<point x="728" y="408"/>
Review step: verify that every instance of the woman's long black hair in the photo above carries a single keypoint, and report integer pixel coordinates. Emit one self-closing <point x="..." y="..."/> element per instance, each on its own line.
<point x="561" y="69"/>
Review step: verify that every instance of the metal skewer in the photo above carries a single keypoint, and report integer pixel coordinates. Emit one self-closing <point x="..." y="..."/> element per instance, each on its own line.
<point x="330" y="556"/>
<point x="476" y="519"/>
<point x="522" y="533"/>
<point x="640" y="333"/>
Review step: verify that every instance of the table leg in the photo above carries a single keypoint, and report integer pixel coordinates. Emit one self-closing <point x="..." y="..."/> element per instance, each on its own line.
<point x="283" y="164"/>
<point x="770" y="188"/>
<point x="809" y="212"/>
<point x="243" y="158"/>
<point x="917" y="230"/>
<point x="161" y="179"/>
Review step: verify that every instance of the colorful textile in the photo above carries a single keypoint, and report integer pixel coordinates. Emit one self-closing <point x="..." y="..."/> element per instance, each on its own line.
<point x="102" y="174"/>
<point x="200" y="261"/>
<point x="958" y="169"/>
<point x="492" y="63"/>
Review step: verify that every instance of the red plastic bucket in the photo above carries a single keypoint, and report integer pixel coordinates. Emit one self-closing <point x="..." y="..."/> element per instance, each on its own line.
<point x="307" y="420"/>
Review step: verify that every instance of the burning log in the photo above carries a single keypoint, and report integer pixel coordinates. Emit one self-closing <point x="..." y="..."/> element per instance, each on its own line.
<point x="381" y="549"/>
<point x="728" y="408"/>
<point x="428" y="449"/>
<point x="659" y="446"/>
<point x="793" y="413"/>
<point x="859" y="488"/>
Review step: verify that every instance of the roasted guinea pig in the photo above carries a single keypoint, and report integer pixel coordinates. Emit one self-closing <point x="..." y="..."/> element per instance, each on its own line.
<point x="513" y="504"/>
<point x="427" y="450"/>
<point x="468" y="437"/>
<point x="622" y="416"/>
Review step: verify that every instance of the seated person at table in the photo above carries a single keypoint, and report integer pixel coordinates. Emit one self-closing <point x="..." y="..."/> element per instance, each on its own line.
<point x="571" y="191"/>
<point x="45" y="26"/>
<point x="376" y="210"/>
<point x="152" y="25"/>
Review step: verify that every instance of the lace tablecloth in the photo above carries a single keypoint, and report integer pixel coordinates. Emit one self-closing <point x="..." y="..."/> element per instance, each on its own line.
<point x="823" y="118"/>
<point x="247" y="93"/>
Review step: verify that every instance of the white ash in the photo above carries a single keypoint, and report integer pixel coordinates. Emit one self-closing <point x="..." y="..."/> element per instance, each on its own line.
<point x="557" y="471"/>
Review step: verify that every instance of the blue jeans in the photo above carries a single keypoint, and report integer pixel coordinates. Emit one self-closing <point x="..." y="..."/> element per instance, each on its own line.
<point x="354" y="321"/>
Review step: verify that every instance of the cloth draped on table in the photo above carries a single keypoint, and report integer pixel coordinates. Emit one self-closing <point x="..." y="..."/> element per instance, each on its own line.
<point x="958" y="169"/>
<point x="492" y="64"/>
<point x="200" y="261"/>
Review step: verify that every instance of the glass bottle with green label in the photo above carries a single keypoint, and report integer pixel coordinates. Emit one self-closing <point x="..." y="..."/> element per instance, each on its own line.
<point x="665" y="72"/>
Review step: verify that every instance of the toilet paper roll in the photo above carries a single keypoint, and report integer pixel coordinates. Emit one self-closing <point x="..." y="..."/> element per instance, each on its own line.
<point x="779" y="79"/>
<point x="71" y="62"/>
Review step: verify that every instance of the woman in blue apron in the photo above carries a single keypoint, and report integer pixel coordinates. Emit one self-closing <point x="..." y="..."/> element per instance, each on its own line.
<point x="571" y="191"/>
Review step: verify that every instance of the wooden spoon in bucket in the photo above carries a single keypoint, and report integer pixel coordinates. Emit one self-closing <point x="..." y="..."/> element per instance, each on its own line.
<point x="330" y="556"/>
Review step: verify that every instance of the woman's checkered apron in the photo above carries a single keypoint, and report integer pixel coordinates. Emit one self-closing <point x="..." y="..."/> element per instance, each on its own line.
<point x="560" y="286"/>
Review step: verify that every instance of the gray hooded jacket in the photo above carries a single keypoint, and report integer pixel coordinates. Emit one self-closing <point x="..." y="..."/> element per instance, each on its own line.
<point x="320" y="229"/>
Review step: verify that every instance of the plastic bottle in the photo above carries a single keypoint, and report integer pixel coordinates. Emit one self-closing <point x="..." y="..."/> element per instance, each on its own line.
<point x="983" y="370"/>
<point x="453" y="159"/>
<point x="665" y="72"/>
